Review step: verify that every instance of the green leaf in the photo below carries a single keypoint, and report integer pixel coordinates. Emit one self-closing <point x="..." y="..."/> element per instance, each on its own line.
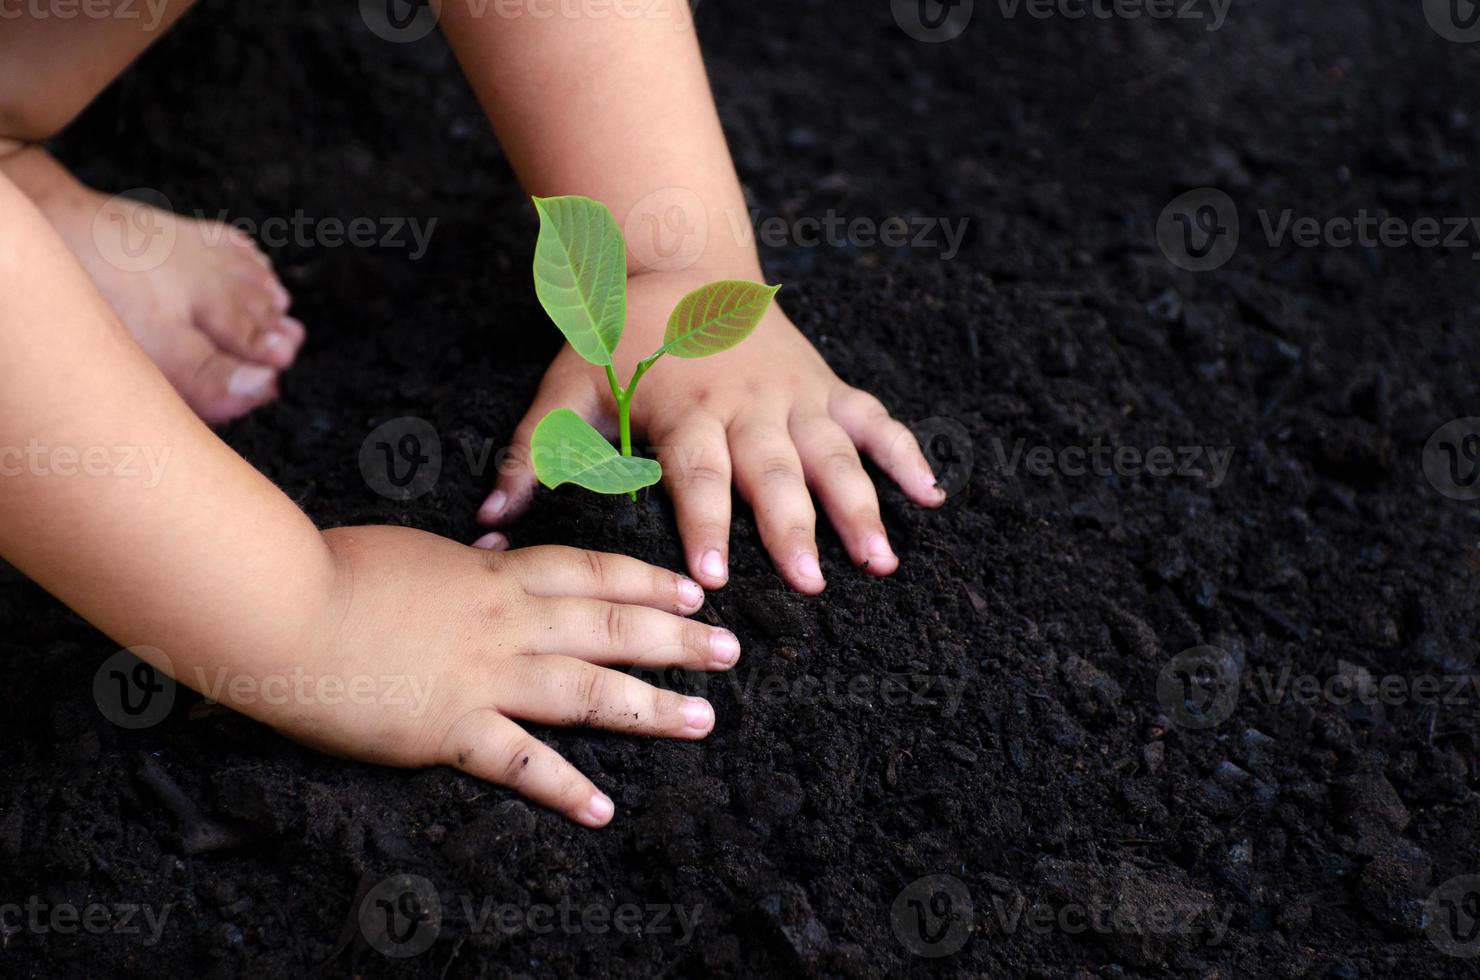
<point x="716" y="317"/>
<point x="566" y="449"/>
<point x="580" y="274"/>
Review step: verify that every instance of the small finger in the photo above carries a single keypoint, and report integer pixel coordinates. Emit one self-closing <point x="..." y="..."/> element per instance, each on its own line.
<point x="614" y="633"/>
<point x="889" y="443"/>
<point x="555" y="570"/>
<point x="566" y="691"/>
<point x="836" y="475"/>
<point x="485" y="744"/>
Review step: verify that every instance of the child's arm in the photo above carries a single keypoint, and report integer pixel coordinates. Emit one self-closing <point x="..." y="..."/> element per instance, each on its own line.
<point x="119" y="501"/>
<point x="617" y="107"/>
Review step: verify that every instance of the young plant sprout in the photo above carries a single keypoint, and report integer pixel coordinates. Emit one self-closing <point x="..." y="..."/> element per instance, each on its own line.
<point x="580" y="276"/>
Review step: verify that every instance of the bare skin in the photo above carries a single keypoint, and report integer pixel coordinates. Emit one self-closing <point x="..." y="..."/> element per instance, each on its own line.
<point x="214" y="566"/>
<point x="208" y="562"/>
<point x="212" y="314"/>
<point x="581" y="107"/>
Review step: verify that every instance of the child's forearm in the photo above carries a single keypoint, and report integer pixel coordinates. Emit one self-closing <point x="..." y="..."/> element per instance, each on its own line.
<point x="617" y="108"/>
<point x="117" y="499"/>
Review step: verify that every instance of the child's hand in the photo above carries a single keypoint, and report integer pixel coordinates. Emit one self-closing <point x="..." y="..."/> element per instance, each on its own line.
<point x="500" y="635"/>
<point x="768" y="413"/>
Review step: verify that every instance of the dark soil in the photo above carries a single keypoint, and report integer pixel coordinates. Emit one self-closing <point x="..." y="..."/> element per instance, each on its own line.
<point x="1049" y="604"/>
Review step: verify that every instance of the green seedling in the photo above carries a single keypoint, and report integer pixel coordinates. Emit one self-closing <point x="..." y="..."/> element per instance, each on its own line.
<point x="580" y="276"/>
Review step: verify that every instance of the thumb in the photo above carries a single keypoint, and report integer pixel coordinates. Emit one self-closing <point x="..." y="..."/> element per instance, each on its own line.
<point x="516" y="481"/>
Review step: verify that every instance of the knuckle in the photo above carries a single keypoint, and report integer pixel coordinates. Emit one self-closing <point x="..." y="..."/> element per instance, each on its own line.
<point x="704" y="473"/>
<point x="841" y="464"/>
<point x="595" y="566"/>
<point x="778" y="470"/>
<point x="612" y="627"/>
<point x="518" y="756"/>
<point x="590" y="696"/>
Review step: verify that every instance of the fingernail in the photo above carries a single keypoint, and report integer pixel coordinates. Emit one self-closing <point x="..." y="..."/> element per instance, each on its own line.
<point x="600" y="809"/>
<point x="493" y="506"/>
<point x="250" y="379"/>
<point x="878" y="547"/>
<point x="274" y="340"/>
<point x="691" y="592"/>
<point x="725" y="646"/>
<point x="280" y="295"/>
<point x="713" y="565"/>
<point x="807" y="566"/>
<point x="698" y="716"/>
<point x="492" y="541"/>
